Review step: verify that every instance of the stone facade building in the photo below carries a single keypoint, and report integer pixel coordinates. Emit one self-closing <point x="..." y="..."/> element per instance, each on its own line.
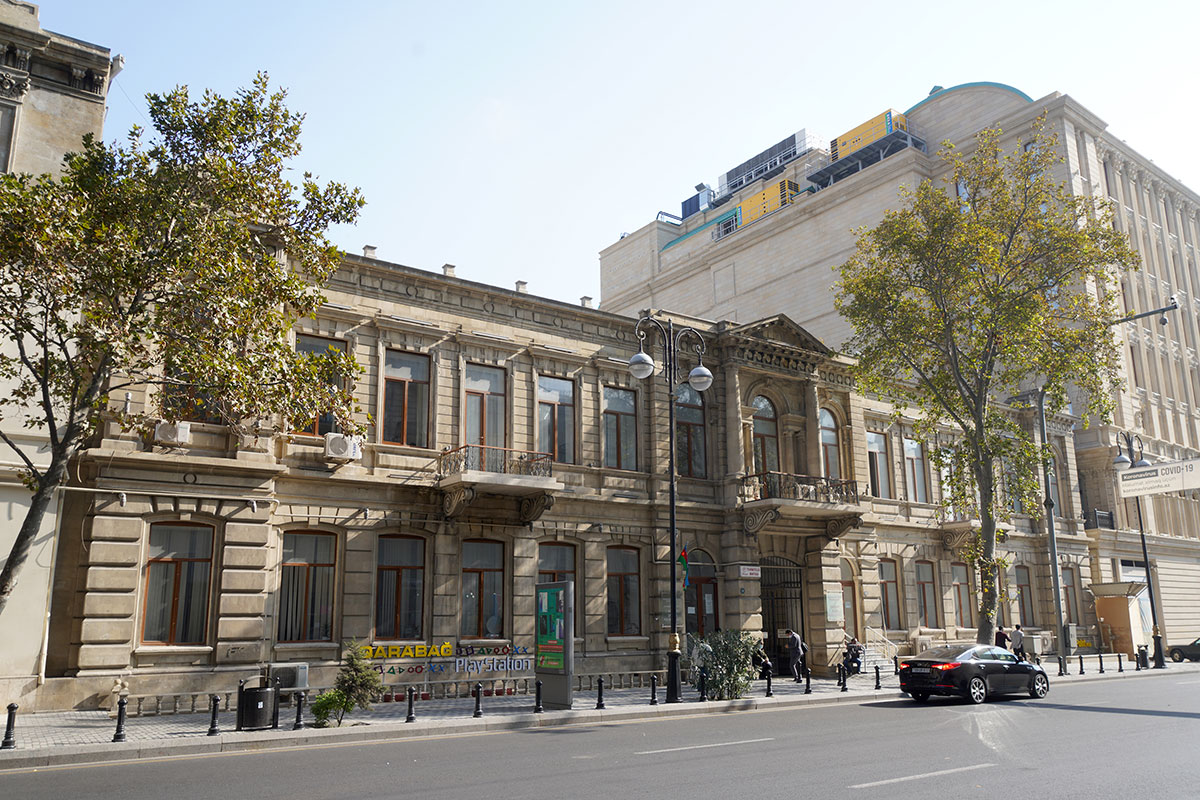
<point x="721" y="259"/>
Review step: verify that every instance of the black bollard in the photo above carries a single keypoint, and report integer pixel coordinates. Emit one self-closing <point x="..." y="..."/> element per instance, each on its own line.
<point x="845" y="675"/>
<point x="240" y="696"/>
<point x="1062" y="666"/>
<point x="214" y="704"/>
<point x="896" y="665"/>
<point x="10" y="729"/>
<point x="537" y="697"/>
<point x="1101" y="657"/>
<point x="1081" y="663"/>
<point x="478" y="701"/>
<point x="808" y="681"/>
<point x="600" y="692"/>
<point x="769" y="692"/>
<point x="654" y="689"/>
<point x="1120" y="665"/>
<point x="275" y="707"/>
<point x="412" y="694"/>
<point x="703" y="687"/>
<point x="119" y="736"/>
<point x="298" y="698"/>
<point x="878" y="685"/>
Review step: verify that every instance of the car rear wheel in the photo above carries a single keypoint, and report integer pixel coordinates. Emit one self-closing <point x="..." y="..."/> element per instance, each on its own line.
<point x="1177" y="656"/>
<point x="1039" y="687"/>
<point x="977" y="690"/>
<point x="920" y="697"/>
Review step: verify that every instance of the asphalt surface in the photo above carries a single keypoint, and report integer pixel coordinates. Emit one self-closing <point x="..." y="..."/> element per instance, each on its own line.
<point x="1102" y="739"/>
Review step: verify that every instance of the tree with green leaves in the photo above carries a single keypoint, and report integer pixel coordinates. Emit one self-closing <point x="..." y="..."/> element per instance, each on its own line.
<point x="996" y="282"/>
<point x="175" y="268"/>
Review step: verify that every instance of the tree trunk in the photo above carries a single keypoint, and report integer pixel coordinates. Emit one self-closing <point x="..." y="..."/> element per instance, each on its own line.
<point x="51" y="478"/>
<point x="989" y="593"/>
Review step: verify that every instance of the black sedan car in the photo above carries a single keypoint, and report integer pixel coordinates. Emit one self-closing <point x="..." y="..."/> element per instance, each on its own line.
<point x="974" y="672"/>
<point x="1189" y="651"/>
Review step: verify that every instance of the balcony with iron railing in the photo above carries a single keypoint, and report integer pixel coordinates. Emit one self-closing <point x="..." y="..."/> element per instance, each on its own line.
<point x="474" y="468"/>
<point x="801" y="495"/>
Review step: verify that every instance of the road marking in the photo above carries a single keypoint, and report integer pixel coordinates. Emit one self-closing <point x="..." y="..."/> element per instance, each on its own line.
<point x="701" y="746"/>
<point x="1184" y="683"/>
<point x="919" y="777"/>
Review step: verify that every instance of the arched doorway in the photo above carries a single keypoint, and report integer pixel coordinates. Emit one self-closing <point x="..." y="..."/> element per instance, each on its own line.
<point x="782" y="587"/>
<point x="849" y="601"/>
<point x="700" y="597"/>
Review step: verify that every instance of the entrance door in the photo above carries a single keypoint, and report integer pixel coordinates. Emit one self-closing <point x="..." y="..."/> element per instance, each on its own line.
<point x="783" y="606"/>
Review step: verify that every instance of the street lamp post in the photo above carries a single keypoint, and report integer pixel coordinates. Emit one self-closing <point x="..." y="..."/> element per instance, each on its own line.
<point x="1055" y="571"/>
<point x="1126" y="442"/>
<point x="642" y="366"/>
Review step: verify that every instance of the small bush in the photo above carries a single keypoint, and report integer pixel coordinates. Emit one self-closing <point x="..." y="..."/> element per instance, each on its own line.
<point x="357" y="679"/>
<point x="332" y="703"/>
<point x="727" y="658"/>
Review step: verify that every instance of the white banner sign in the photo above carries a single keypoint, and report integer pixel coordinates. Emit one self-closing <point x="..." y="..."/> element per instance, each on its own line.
<point x="1173" y="476"/>
<point x="753" y="571"/>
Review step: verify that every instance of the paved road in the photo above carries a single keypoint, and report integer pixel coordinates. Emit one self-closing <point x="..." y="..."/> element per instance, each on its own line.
<point x="1093" y="740"/>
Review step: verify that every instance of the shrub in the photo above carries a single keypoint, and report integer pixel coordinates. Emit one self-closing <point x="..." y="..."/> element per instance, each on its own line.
<point x="727" y="659"/>
<point x="357" y="680"/>
<point x="331" y="703"/>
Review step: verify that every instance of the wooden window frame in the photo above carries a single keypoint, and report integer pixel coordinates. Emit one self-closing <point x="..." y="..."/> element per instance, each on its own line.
<point x="611" y="448"/>
<point x="308" y="568"/>
<point x="964" y="615"/>
<point x="176" y="578"/>
<point x="637" y="574"/>
<point x="571" y="457"/>
<point x="894" y="583"/>
<point x="831" y="453"/>
<point x="480" y="633"/>
<point x="405" y="384"/>
<point x="880" y="464"/>
<point x="314" y="429"/>
<point x="396" y="607"/>
<point x="1024" y="595"/>
<point x="927" y="616"/>
<point x="914" y="468"/>
<point x="686" y="434"/>
<point x="483" y="410"/>
<point x="760" y="440"/>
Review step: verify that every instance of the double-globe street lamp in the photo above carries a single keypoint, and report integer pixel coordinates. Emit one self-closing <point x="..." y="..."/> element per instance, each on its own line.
<point x="642" y="366"/>
<point x="1124" y="460"/>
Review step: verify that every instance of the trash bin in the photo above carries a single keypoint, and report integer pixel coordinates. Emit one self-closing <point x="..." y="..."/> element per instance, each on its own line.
<point x="257" y="708"/>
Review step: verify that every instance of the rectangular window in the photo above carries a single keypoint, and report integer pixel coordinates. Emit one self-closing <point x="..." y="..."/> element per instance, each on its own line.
<point x="326" y="422"/>
<point x="556" y="562"/>
<point x="556" y="418"/>
<point x="485" y="417"/>
<point x="1070" y="606"/>
<point x="690" y="456"/>
<point x="620" y="428"/>
<point x="177" y="583"/>
<point x="1025" y="596"/>
<point x="878" y="465"/>
<point x="926" y="596"/>
<point x="624" y="598"/>
<point x="8" y="115"/>
<point x="306" y="587"/>
<point x="482" y="589"/>
<point x="960" y="580"/>
<point x="400" y="588"/>
<point x="406" y="399"/>
<point x="914" y="471"/>
<point x="890" y="587"/>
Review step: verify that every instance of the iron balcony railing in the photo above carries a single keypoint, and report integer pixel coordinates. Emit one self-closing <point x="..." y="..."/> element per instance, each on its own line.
<point x="500" y="460"/>
<point x="785" y="486"/>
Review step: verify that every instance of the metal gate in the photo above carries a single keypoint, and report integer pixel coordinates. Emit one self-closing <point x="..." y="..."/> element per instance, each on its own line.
<point x="783" y="606"/>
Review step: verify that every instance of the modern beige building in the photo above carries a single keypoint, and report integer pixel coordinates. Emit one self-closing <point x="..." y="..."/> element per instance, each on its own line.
<point x="766" y="247"/>
<point x="52" y="91"/>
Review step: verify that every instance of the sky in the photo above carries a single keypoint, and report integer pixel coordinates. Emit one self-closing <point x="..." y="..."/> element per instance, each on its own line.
<point x="516" y="140"/>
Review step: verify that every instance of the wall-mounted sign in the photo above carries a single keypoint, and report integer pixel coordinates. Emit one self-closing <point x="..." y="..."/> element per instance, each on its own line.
<point x="750" y="571"/>
<point x="833" y="607"/>
<point x="1174" y="476"/>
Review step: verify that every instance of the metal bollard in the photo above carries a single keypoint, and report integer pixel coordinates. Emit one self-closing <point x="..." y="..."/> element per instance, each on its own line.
<point x="214" y="704"/>
<point x="600" y="692"/>
<point x="844" y="676"/>
<point x="412" y="694"/>
<point x="1137" y="662"/>
<point x="878" y="685"/>
<point x="240" y="696"/>
<point x="1062" y="666"/>
<point x="1120" y="665"/>
<point x="654" y="689"/>
<point x="275" y="707"/>
<point x="478" y="701"/>
<point x="769" y="692"/>
<point x="1081" y="663"/>
<point x="1101" y="657"/>
<point x="896" y="665"/>
<point x="119" y="736"/>
<point x="703" y="687"/>
<point x="537" y="697"/>
<point x="298" y="698"/>
<point x="808" y="681"/>
<point x="10" y="728"/>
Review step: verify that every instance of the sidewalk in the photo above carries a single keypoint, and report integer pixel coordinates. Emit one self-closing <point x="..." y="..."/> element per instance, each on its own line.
<point x="68" y="737"/>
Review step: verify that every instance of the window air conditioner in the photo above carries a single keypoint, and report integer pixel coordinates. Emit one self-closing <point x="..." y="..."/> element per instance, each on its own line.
<point x="173" y="433"/>
<point x="293" y="677"/>
<point x="340" y="447"/>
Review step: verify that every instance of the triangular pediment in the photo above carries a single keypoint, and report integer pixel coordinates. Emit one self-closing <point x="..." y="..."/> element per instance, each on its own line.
<point x="782" y="330"/>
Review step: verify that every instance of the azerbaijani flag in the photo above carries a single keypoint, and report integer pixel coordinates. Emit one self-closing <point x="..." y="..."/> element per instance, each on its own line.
<point x="684" y="563"/>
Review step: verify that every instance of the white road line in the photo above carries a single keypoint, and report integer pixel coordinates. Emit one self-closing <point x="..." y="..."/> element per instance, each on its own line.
<point x="1184" y="683"/>
<point x="702" y="746"/>
<point x="918" y="777"/>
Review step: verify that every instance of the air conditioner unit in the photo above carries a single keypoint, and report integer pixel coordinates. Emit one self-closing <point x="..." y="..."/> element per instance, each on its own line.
<point x="173" y="433"/>
<point x="340" y="447"/>
<point x="293" y="677"/>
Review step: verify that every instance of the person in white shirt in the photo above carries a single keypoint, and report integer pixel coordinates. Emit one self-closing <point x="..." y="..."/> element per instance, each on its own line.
<point x="1018" y="642"/>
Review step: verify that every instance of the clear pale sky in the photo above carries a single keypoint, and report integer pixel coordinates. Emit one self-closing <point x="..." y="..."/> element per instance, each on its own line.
<point x="518" y="139"/>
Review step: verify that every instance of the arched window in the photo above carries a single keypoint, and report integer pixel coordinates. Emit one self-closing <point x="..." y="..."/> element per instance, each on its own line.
<point x="400" y="587"/>
<point x="690" y="456"/>
<point x="624" y="592"/>
<point x="831" y="457"/>
<point x="306" y="587"/>
<point x="890" y="589"/>
<point x="700" y="596"/>
<point x="482" y="589"/>
<point x="766" y="436"/>
<point x="1055" y="497"/>
<point x="178" y="574"/>
<point x="926" y="595"/>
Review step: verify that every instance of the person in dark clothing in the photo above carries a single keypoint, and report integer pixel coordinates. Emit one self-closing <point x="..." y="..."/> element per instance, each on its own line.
<point x="1002" y="638"/>
<point x="796" y="650"/>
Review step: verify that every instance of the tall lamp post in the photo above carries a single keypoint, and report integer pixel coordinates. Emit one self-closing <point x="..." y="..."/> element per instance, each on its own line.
<point x="1123" y="462"/>
<point x="1052" y="542"/>
<point x="642" y="366"/>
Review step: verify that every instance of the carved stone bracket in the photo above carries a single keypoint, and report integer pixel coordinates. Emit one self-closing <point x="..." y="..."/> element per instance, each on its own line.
<point x="836" y="527"/>
<point x="533" y="507"/>
<point x="755" y="521"/>
<point x="955" y="539"/>
<point x="12" y="86"/>
<point x="456" y="499"/>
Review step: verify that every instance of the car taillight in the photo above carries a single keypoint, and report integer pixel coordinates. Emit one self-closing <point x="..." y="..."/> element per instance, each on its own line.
<point x="951" y="665"/>
<point x="904" y="665"/>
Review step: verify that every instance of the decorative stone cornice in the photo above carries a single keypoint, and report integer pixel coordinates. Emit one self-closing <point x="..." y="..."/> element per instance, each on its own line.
<point x="456" y="499"/>
<point x="836" y="527"/>
<point x="755" y="521"/>
<point x="954" y="539"/>
<point x="533" y="507"/>
<point x="13" y="86"/>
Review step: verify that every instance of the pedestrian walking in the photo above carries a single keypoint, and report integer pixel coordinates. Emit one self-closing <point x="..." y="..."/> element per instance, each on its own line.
<point x="1002" y="638"/>
<point x="1018" y="642"/>
<point x="796" y="652"/>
